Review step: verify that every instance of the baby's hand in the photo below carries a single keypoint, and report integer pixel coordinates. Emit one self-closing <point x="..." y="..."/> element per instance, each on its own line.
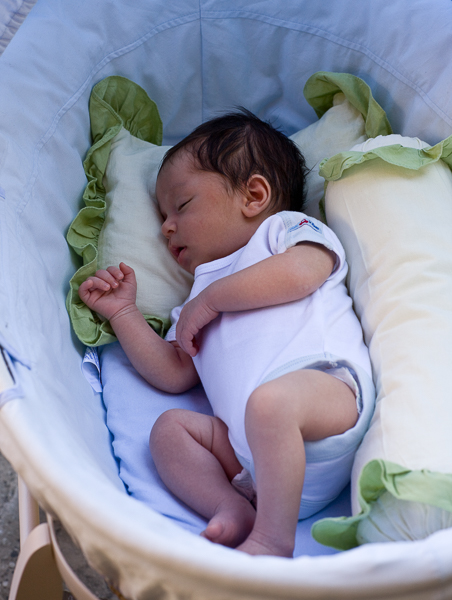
<point x="195" y="315"/>
<point x="110" y="291"/>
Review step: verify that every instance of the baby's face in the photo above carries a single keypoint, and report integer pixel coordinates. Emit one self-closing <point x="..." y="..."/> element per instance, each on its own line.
<point x="203" y="220"/>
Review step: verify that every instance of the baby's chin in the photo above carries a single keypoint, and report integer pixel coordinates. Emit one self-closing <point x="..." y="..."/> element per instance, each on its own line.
<point x="189" y="267"/>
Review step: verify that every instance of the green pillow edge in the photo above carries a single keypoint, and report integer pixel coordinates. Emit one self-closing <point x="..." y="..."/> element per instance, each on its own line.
<point x="377" y="477"/>
<point x="333" y="168"/>
<point x="322" y="86"/>
<point x="115" y="102"/>
<point x="320" y="90"/>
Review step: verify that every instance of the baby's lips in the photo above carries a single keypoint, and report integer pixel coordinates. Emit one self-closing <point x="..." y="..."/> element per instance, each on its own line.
<point x="175" y="250"/>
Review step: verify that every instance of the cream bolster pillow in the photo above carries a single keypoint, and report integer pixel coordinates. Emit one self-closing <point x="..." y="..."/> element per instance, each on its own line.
<point x="395" y="223"/>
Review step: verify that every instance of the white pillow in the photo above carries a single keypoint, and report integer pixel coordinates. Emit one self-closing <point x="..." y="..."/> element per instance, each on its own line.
<point x="131" y="232"/>
<point x="340" y="128"/>
<point x="396" y="226"/>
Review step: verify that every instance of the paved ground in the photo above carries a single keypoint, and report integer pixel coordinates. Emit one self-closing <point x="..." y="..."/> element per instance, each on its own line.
<point x="9" y="541"/>
<point x="9" y="526"/>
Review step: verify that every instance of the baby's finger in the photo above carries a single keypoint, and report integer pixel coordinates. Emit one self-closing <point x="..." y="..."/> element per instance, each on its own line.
<point x="188" y="348"/>
<point x="195" y="347"/>
<point x="126" y="269"/>
<point x="192" y="348"/>
<point x="84" y="289"/>
<point x="116" y="273"/>
<point x="105" y="276"/>
<point x="98" y="283"/>
<point x="185" y="340"/>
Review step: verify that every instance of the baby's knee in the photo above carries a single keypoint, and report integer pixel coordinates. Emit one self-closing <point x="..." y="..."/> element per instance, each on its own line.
<point x="164" y="428"/>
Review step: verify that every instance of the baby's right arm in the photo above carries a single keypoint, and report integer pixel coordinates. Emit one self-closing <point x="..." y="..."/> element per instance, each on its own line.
<point x="112" y="293"/>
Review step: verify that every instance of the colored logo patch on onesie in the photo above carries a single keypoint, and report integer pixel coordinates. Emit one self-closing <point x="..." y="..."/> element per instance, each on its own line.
<point x="304" y="222"/>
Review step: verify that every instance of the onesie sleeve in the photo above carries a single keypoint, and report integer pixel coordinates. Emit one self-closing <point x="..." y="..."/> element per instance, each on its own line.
<point x="298" y="227"/>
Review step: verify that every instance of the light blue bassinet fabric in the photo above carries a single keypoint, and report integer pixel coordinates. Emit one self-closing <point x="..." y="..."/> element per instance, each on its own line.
<point x="194" y="58"/>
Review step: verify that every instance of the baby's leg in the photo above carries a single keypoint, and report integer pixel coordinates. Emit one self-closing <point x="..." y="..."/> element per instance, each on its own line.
<point x="304" y="405"/>
<point x="195" y="460"/>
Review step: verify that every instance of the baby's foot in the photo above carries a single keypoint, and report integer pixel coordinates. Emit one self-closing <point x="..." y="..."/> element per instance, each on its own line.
<point x="260" y="545"/>
<point x="232" y="523"/>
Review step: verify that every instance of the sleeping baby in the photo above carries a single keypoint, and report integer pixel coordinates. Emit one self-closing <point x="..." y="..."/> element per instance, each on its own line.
<point x="268" y="329"/>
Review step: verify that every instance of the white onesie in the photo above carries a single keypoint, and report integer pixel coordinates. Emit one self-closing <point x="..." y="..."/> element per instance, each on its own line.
<point x="241" y="350"/>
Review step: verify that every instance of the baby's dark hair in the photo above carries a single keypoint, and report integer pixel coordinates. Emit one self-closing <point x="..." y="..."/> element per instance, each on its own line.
<point x="238" y="145"/>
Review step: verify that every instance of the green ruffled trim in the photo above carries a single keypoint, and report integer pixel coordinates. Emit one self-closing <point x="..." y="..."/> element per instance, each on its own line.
<point x="115" y="102"/>
<point x="320" y="90"/>
<point x="409" y="158"/>
<point x="377" y="477"/>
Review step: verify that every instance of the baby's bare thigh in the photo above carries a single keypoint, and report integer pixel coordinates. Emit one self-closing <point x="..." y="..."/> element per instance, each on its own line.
<point x="320" y="404"/>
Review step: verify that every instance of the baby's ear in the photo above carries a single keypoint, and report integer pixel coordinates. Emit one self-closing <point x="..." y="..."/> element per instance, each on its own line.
<point x="258" y="196"/>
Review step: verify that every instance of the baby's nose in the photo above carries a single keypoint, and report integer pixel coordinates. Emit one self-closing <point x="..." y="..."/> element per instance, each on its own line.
<point x="167" y="227"/>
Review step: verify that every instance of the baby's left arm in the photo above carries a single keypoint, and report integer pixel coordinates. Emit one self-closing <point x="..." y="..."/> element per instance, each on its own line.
<point x="281" y="278"/>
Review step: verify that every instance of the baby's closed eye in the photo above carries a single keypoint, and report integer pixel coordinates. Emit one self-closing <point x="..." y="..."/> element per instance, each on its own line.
<point x="181" y="206"/>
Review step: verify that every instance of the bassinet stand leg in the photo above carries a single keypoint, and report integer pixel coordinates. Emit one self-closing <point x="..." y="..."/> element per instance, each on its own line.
<point x="36" y="576"/>
<point x="41" y="564"/>
<point x="78" y="589"/>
